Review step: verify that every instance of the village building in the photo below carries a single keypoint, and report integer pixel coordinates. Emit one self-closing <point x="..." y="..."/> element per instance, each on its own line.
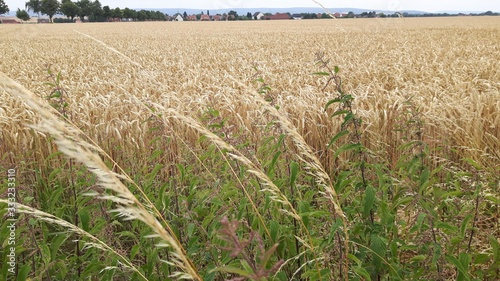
<point x="278" y="16"/>
<point x="258" y="16"/>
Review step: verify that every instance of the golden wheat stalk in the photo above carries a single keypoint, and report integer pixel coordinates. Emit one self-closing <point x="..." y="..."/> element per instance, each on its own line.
<point x="307" y="156"/>
<point x="278" y="196"/>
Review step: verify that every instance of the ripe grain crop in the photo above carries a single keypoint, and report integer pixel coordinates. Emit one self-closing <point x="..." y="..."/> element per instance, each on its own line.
<point x="170" y="103"/>
<point x="449" y="67"/>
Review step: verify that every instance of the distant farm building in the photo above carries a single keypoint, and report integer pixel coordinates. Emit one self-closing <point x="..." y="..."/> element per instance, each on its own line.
<point x="278" y="16"/>
<point x="192" y="18"/>
<point x="258" y="16"/>
<point x="297" y="16"/>
<point x="217" y="18"/>
<point x="9" y="21"/>
<point x="205" y="18"/>
<point x="178" y="17"/>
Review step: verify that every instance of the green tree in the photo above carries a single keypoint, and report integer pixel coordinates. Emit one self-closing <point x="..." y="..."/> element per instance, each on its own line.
<point x="35" y="6"/>
<point x="96" y="12"/>
<point x="22" y="15"/>
<point x="233" y="15"/>
<point x="106" y="12"/>
<point x="185" y="15"/>
<point x="50" y="8"/>
<point x="84" y="10"/>
<point x="69" y="9"/>
<point x="117" y="13"/>
<point x="3" y="7"/>
<point x="129" y="13"/>
<point x="249" y="15"/>
<point x="133" y="14"/>
<point x="161" y="16"/>
<point x="142" y="15"/>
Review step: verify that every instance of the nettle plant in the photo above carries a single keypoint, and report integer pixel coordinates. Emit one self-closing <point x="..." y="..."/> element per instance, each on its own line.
<point x="416" y="220"/>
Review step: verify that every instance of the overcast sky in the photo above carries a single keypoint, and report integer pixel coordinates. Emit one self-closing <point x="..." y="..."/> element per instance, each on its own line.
<point x="393" y="5"/>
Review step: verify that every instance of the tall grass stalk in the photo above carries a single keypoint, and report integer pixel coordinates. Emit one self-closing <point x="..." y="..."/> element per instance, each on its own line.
<point x="128" y="206"/>
<point x="72" y="228"/>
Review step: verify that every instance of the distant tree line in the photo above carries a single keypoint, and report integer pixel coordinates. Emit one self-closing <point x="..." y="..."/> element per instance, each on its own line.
<point x="93" y="11"/>
<point x="88" y="10"/>
<point x="233" y="15"/>
<point x="488" y="13"/>
<point x="3" y="7"/>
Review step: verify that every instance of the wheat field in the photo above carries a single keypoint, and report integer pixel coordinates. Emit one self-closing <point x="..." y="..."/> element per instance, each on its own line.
<point x="140" y="88"/>
<point x="448" y="67"/>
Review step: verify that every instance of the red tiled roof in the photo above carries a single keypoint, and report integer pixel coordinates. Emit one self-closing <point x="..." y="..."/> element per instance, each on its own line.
<point x="9" y="21"/>
<point x="278" y="17"/>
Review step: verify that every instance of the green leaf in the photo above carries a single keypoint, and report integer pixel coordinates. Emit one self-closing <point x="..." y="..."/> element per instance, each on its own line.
<point x="465" y="259"/>
<point x="445" y="226"/>
<point x="294" y="170"/>
<point x="23" y="272"/>
<point x="336" y="69"/>
<point x="330" y="102"/>
<point x="493" y="199"/>
<point x="378" y="246"/>
<point x="336" y="137"/>
<point x="267" y="255"/>
<point x="463" y="227"/>
<point x="84" y="219"/>
<point x="190" y="229"/>
<point x="495" y="248"/>
<point x="481" y="259"/>
<point x="347" y="147"/>
<point x="418" y="258"/>
<point x="322" y="73"/>
<point x="45" y="253"/>
<point x="424" y="179"/>
<point x="403" y="201"/>
<point x="273" y="229"/>
<point x="54" y="174"/>
<point x="473" y="163"/>
<point x="126" y="233"/>
<point x="418" y="224"/>
<point x="273" y="162"/>
<point x="354" y="259"/>
<point x="436" y="255"/>
<point x="369" y="200"/>
<point x="347" y="98"/>
<point x="363" y="273"/>
<point x="134" y="251"/>
<point x="56" y="243"/>
<point x="56" y="94"/>
<point x="339" y="112"/>
<point x="155" y="154"/>
<point x="462" y="268"/>
<point x="304" y="208"/>
<point x="349" y="116"/>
